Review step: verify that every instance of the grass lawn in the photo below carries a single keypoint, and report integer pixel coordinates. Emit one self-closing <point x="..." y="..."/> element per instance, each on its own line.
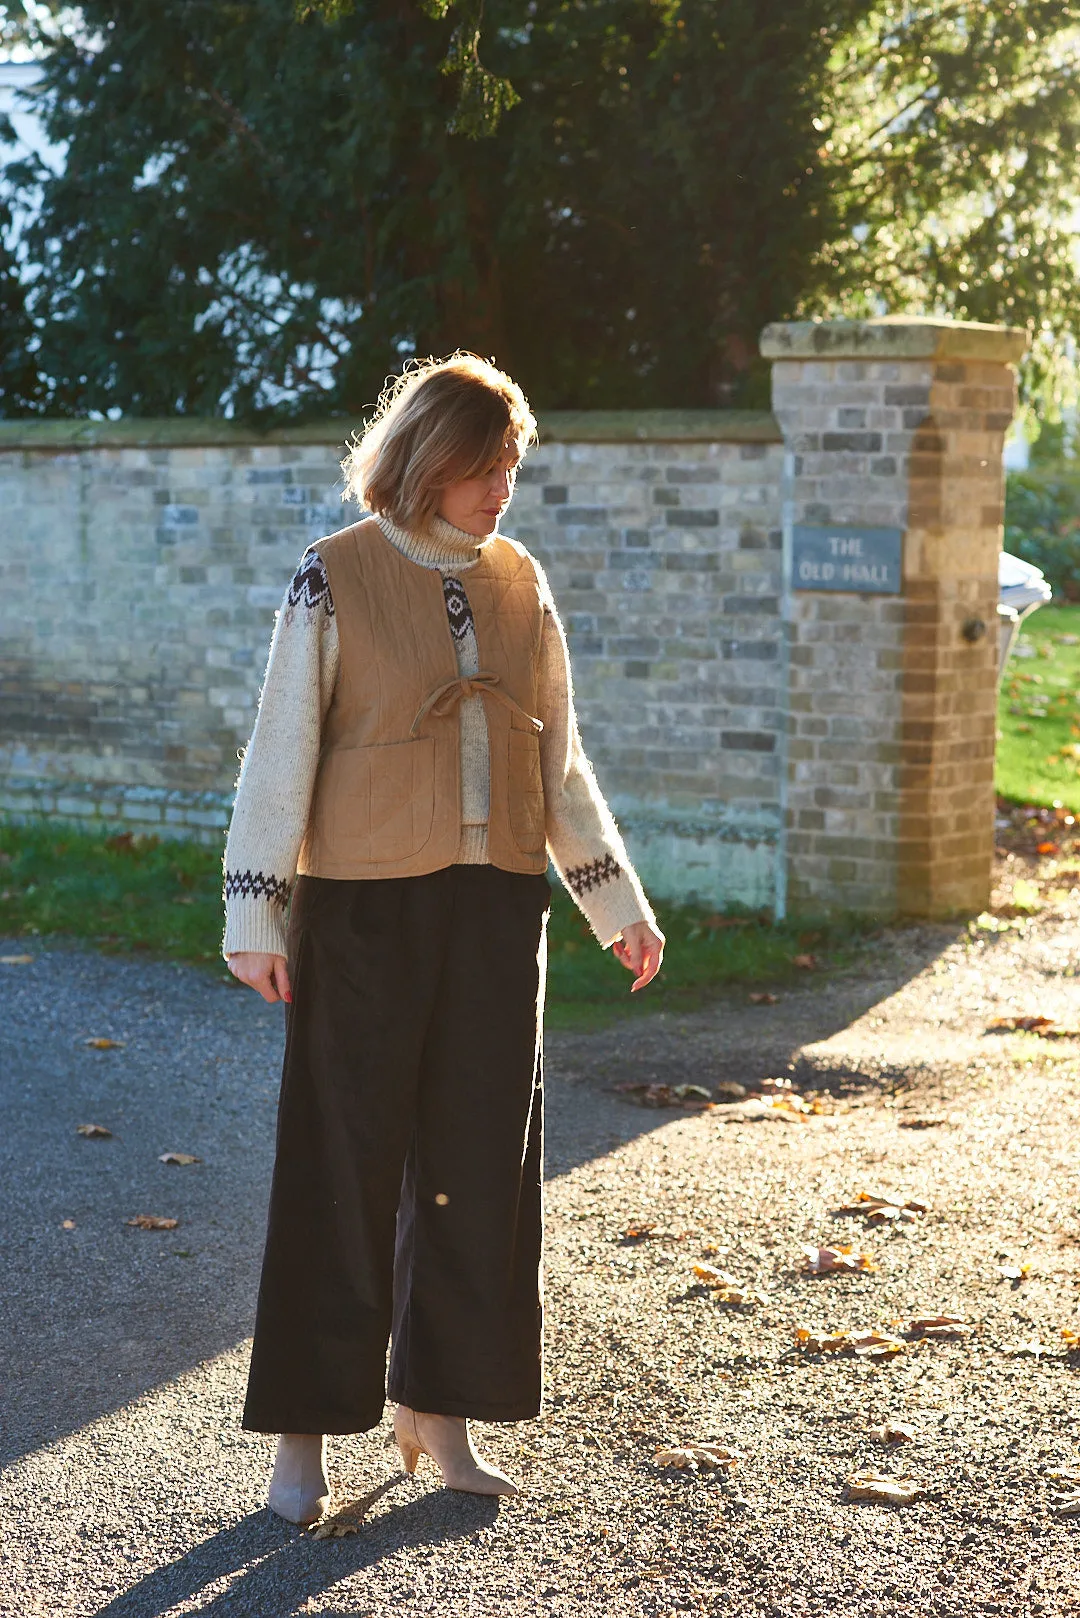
<point x="128" y="894"/>
<point x="1038" y="755"/>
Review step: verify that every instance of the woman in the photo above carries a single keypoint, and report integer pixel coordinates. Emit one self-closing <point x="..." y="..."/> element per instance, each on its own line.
<point x="415" y="759"/>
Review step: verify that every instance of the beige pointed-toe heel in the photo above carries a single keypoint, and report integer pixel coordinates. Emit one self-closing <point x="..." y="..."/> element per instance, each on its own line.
<point x="446" y="1439"/>
<point x="299" y="1489"/>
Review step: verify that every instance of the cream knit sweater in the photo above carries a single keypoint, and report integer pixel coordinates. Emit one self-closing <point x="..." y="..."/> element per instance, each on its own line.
<point x="277" y="776"/>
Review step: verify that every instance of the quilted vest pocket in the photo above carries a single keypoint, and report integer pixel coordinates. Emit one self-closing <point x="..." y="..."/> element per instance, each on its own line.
<point x="526" y="790"/>
<point x="383" y="799"/>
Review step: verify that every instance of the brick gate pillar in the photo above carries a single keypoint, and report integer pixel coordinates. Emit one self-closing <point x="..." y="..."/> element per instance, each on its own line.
<point x="893" y="507"/>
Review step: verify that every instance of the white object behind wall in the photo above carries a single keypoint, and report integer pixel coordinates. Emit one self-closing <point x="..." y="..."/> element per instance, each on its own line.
<point x="18" y="81"/>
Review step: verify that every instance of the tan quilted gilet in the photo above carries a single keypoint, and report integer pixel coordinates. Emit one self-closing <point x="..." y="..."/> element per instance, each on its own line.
<point x="387" y="798"/>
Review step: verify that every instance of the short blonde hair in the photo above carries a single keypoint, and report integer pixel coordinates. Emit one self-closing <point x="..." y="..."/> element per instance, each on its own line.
<point x="437" y="423"/>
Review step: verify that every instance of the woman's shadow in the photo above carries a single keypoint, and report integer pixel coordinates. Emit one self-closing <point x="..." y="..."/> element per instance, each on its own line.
<point x="274" y="1568"/>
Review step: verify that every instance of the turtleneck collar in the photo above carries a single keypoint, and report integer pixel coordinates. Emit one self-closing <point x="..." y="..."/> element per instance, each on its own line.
<point x="441" y="545"/>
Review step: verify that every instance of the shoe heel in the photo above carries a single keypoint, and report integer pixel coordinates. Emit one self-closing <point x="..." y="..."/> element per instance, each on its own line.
<point x="410" y="1452"/>
<point x="408" y="1442"/>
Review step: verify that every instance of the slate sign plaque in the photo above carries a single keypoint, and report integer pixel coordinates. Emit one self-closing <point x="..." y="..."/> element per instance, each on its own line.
<point x="867" y="560"/>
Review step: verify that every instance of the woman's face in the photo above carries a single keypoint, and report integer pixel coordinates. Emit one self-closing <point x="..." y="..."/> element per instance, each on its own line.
<point x="476" y="504"/>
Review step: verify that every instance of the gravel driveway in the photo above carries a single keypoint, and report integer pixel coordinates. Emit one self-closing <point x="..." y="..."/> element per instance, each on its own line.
<point x="129" y="1489"/>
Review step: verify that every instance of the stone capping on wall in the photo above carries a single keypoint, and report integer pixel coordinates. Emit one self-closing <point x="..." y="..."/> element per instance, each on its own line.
<point x="54" y="436"/>
<point x="896" y="337"/>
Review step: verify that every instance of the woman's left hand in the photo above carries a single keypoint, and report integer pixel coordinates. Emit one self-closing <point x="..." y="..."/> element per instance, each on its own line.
<point x="641" y="950"/>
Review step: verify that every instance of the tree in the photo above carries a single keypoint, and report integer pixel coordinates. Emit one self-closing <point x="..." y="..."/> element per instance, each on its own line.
<point x="482" y="96"/>
<point x="264" y="211"/>
<point x="24" y="387"/>
<point x="952" y="129"/>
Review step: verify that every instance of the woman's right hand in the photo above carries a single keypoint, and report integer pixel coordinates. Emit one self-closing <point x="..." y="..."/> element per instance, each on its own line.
<point x="266" y="973"/>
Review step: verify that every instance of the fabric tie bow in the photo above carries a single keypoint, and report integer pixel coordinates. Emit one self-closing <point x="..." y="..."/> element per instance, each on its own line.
<point x="446" y="697"/>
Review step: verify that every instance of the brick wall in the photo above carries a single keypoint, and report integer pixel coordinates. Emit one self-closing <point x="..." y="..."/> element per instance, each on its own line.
<point x="749" y="734"/>
<point x="141" y="565"/>
<point x="849" y="425"/>
<point x="895" y="424"/>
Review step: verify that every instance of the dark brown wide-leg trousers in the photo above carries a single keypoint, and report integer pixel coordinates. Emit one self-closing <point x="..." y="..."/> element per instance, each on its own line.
<point x="406" y="1191"/>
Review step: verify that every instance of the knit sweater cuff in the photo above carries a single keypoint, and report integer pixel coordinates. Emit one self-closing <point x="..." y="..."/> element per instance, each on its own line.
<point x="615" y="904"/>
<point x="254" y="924"/>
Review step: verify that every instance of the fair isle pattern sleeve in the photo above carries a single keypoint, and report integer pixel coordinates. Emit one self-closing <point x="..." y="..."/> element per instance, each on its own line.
<point x="277" y="776"/>
<point x="583" y="839"/>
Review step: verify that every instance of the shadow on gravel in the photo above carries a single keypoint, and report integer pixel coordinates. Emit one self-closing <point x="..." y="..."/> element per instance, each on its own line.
<point x="746" y="1042"/>
<point x="94" y="1313"/>
<point x="280" y="1567"/>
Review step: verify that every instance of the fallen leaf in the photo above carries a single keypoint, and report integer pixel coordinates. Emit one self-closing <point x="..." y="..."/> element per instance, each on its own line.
<point x="834" y="1260"/>
<point x="714" y="1277"/>
<point x="805" y="963"/>
<point x="15" y="960"/>
<point x="348" y="1519"/>
<point x="921" y="1123"/>
<point x="800" y="1106"/>
<point x="666" y="1095"/>
<point x="94" y="1131"/>
<point x="695" y="1456"/>
<point x="637" y="1232"/>
<point x="881" y="1490"/>
<point x="939" y="1326"/>
<point x="730" y="1090"/>
<point x="1028" y="1025"/>
<point x="763" y="998"/>
<point x="740" y="1296"/>
<point x="1066" y="1505"/>
<point x="152" y="1222"/>
<point x="882" y="1210"/>
<point x="335" y="1527"/>
<point x="894" y="1432"/>
<point x="1046" y="848"/>
<point x="182" y="1158"/>
<point x="105" y="1044"/>
<point x="1072" y="1338"/>
<point x="1032" y="1349"/>
<point x="875" y="1345"/>
<point x="815" y="1344"/>
<point x="777" y="1109"/>
<point x="871" y="1345"/>
<point x="727" y="1287"/>
<point x="1014" y="1272"/>
<point x="67" y="1224"/>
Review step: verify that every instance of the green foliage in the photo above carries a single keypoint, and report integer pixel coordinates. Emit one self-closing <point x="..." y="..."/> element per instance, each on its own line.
<point x="1038" y="754"/>
<point x="482" y="96"/>
<point x="120" y="892"/>
<point x="23" y="26"/>
<point x="705" y="952"/>
<point x="24" y="389"/>
<point x="952" y="129"/>
<point x="1042" y="524"/>
<point x="265" y="211"/>
<point x="135" y="893"/>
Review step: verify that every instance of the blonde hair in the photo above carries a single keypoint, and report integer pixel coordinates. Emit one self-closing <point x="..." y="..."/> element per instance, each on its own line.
<point x="439" y="422"/>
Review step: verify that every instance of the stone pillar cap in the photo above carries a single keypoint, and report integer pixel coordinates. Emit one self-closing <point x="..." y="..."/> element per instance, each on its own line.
<point x="896" y="337"/>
